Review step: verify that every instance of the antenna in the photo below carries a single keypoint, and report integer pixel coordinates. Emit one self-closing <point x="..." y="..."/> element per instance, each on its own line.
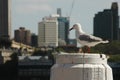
<point x="72" y="7"/>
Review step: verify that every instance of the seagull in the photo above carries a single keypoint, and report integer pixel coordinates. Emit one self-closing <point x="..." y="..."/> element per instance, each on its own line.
<point x="86" y="39"/>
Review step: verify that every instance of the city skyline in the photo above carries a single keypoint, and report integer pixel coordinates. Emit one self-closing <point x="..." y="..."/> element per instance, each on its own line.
<point x="27" y="13"/>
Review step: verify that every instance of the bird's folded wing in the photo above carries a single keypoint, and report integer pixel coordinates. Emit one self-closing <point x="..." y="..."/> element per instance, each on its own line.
<point x="89" y="38"/>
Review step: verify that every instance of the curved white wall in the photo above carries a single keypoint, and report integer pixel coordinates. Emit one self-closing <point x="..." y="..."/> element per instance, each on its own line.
<point x="76" y="66"/>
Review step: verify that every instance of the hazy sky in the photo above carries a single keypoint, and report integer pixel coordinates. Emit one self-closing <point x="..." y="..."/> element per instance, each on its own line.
<point x="27" y="13"/>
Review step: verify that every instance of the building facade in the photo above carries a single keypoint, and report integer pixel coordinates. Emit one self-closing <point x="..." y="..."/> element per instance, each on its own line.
<point x="114" y="9"/>
<point x="34" y="68"/>
<point x="48" y="32"/>
<point x="5" y="18"/>
<point x="63" y="27"/>
<point x="106" y="23"/>
<point x="34" y="40"/>
<point x="73" y="42"/>
<point x="103" y="25"/>
<point x="59" y="12"/>
<point x="23" y="36"/>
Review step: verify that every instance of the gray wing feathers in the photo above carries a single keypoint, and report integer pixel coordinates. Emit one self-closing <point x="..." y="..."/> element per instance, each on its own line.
<point x="89" y="38"/>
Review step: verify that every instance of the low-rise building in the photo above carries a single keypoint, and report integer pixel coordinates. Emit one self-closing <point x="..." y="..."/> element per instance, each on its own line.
<point x="34" y="67"/>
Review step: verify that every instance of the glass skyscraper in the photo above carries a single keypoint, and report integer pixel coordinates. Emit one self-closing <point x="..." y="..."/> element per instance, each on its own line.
<point x="106" y="23"/>
<point x="114" y="9"/>
<point x="63" y="27"/>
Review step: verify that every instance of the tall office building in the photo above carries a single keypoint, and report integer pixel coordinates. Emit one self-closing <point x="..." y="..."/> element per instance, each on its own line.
<point x="114" y="9"/>
<point x="5" y="18"/>
<point x="59" y="11"/>
<point x="23" y="36"/>
<point x="63" y="27"/>
<point x="48" y="32"/>
<point x="103" y="26"/>
<point x="106" y="23"/>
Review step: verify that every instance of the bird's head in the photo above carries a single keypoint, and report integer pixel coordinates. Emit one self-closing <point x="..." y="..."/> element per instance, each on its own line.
<point x="76" y="26"/>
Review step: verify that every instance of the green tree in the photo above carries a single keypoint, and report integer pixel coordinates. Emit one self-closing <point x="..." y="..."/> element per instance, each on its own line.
<point x="111" y="48"/>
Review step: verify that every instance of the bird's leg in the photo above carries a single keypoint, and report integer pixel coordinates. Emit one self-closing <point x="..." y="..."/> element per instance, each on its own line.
<point x="86" y="49"/>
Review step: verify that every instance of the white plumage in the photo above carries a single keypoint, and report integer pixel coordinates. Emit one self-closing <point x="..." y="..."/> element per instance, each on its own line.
<point x="86" y="39"/>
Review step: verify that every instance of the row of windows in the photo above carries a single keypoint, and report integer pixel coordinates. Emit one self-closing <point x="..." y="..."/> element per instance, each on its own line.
<point x="34" y="72"/>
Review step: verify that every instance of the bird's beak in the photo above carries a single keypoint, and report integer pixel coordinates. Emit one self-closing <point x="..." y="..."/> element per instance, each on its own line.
<point x="70" y="29"/>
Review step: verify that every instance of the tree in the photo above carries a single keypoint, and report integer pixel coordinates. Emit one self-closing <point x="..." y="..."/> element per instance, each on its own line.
<point x="111" y="48"/>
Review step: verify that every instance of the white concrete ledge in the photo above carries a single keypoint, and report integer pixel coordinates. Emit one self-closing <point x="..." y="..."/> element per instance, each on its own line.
<point x="79" y="66"/>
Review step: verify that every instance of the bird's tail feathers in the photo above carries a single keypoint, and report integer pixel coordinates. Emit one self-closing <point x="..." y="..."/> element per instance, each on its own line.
<point x="106" y="41"/>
